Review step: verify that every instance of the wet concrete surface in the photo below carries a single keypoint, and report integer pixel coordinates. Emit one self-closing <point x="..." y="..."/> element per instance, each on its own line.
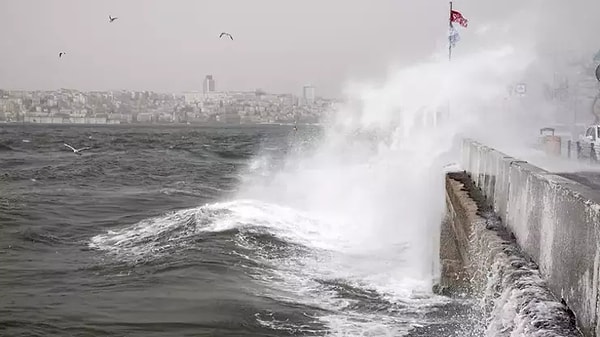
<point x="589" y="179"/>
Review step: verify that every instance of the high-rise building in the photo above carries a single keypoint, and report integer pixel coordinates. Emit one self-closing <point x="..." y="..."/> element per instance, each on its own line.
<point x="309" y="94"/>
<point x="209" y="84"/>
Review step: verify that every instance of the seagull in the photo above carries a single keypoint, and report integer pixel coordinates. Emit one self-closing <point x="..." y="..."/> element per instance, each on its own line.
<point x="61" y="54"/>
<point x="77" y="151"/>
<point x="111" y="18"/>
<point x="226" y="34"/>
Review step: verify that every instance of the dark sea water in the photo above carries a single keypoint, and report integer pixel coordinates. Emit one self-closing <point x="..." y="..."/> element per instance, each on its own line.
<point x="143" y="236"/>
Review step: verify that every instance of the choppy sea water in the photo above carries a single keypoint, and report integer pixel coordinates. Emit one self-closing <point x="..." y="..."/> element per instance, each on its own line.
<point x="145" y="235"/>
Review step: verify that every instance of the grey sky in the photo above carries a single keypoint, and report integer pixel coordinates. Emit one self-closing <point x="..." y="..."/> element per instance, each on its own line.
<point x="279" y="45"/>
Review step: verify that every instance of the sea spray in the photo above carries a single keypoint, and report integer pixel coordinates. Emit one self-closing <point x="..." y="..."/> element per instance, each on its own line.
<point x="376" y="173"/>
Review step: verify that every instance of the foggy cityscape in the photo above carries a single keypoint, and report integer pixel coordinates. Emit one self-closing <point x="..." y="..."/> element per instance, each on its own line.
<point x="66" y="106"/>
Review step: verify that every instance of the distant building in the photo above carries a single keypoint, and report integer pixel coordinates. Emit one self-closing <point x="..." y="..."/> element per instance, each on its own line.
<point x="144" y="117"/>
<point x="216" y="96"/>
<point x="191" y="97"/>
<point x="309" y="94"/>
<point x="209" y="84"/>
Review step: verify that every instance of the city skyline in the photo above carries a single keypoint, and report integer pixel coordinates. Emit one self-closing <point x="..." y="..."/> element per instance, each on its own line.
<point x="209" y="82"/>
<point x="71" y="106"/>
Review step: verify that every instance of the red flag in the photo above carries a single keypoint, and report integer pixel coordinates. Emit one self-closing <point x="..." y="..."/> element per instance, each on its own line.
<point x="458" y="18"/>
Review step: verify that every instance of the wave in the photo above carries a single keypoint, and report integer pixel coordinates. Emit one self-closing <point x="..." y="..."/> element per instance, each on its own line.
<point x="285" y="252"/>
<point x="177" y="228"/>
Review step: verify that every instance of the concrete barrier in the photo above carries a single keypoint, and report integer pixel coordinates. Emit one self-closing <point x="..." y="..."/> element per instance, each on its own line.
<point x="454" y="245"/>
<point x="482" y="259"/>
<point x="556" y="222"/>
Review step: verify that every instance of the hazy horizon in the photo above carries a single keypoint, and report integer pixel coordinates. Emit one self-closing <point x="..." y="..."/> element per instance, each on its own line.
<point x="278" y="47"/>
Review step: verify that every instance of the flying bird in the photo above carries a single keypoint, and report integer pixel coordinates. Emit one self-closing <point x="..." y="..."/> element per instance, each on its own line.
<point x="61" y="54"/>
<point x="111" y="19"/>
<point x="77" y="151"/>
<point x="226" y="34"/>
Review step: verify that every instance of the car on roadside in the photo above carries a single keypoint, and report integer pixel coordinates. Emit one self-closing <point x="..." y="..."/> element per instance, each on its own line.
<point x="589" y="138"/>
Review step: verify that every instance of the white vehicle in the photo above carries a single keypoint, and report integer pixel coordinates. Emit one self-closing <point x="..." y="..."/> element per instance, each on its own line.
<point x="591" y="136"/>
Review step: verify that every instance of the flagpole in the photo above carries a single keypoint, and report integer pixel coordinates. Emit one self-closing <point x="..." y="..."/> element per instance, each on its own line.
<point x="450" y="27"/>
<point x="449" y="55"/>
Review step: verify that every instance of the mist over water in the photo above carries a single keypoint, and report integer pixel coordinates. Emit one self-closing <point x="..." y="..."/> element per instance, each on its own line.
<point x="376" y="175"/>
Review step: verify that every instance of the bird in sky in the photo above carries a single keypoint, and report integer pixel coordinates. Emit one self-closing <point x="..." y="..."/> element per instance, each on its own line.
<point x="77" y="151"/>
<point x="61" y="54"/>
<point x="111" y="19"/>
<point x="226" y="34"/>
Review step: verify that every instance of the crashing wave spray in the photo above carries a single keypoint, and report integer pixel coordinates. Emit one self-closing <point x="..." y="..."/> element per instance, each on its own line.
<point x="376" y="176"/>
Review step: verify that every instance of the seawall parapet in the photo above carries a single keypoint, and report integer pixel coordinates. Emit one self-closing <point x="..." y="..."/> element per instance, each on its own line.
<point x="555" y="221"/>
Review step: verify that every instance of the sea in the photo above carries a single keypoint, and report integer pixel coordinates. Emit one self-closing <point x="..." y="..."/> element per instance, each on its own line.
<point x="215" y="231"/>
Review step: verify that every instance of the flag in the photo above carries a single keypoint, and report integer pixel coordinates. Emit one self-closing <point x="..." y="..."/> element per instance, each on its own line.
<point x="458" y="18"/>
<point x="453" y="36"/>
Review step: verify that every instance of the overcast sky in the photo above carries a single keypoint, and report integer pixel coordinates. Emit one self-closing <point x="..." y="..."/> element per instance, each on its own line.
<point x="280" y="45"/>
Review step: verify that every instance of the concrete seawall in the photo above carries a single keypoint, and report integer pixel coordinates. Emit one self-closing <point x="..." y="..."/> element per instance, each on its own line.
<point x="480" y="258"/>
<point x="555" y="222"/>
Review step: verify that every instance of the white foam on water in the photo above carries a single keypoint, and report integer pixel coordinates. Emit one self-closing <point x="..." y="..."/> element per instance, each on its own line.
<point x="296" y="277"/>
